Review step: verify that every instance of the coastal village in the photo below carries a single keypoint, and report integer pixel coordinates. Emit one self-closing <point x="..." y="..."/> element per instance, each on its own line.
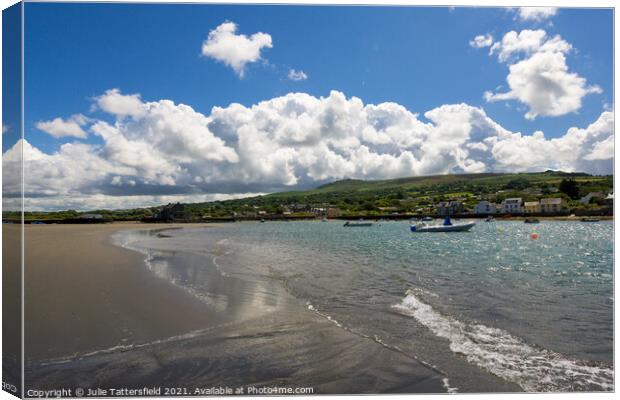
<point x="552" y="206"/>
<point x="546" y="194"/>
<point x="552" y="202"/>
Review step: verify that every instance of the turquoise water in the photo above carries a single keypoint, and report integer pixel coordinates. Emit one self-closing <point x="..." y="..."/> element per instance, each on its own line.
<point x="535" y="313"/>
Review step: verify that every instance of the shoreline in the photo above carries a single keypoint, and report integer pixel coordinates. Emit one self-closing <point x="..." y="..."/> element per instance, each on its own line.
<point x="242" y="331"/>
<point x="264" y="335"/>
<point x="83" y="293"/>
<point x="277" y="218"/>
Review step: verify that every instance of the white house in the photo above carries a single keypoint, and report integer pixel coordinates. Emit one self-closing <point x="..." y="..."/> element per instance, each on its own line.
<point x="485" y="207"/>
<point x="512" y="206"/>
<point x="592" y="195"/>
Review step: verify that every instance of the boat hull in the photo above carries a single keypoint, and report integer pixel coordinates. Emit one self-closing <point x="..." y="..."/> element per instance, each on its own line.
<point x="443" y="228"/>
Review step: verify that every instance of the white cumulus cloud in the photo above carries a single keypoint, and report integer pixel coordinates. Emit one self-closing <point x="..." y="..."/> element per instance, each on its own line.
<point x="121" y="105"/>
<point x="525" y="42"/>
<point x="481" y="41"/>
<point x="536" y="14"/>
<point x="297" y="75"/>
<point x="166" y="150"/>
<point x="571" y="152"/>
<point x="539" y="76"/>
<point x="59" y="127"/>
<point x="235" y="50"/>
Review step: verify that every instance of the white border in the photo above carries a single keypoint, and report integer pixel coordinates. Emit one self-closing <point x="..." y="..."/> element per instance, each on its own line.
<point x="477" y="3"/>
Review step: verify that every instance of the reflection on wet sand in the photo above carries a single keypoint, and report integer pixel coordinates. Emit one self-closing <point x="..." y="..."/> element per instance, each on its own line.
<point x="257" y="334"/>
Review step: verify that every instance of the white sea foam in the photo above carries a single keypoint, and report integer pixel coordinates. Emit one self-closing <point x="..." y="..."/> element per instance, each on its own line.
<point x="534" y="369"/>
<point x="328" y="317"/>
<point x="449" y="389"/>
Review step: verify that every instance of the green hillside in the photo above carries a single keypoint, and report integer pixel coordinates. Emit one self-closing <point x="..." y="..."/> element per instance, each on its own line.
<point x="412" y="194"/>
<point x="404" y="195"/>
<point x="440" y="183"/>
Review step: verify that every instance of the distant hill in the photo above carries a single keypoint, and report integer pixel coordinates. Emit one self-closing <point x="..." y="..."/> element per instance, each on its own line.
<point x="439" y="183"/>
<point x="407" y="195"/>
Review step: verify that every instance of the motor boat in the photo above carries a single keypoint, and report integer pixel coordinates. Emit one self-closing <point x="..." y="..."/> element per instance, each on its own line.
<point x="447" y="226"/>
<point x="359" y="223"/>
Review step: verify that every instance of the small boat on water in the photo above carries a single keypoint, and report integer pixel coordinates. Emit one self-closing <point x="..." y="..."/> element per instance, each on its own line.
<point x="359" y="223"/>
<point x="324" y="219"/>
<point x="590" y="219"/>
<point x="447" y="226"/>
<point x="531" y="220"/>
<point x="427" y="219"/>
<point x="262" y="220"/>
<point x="489" y="219"/>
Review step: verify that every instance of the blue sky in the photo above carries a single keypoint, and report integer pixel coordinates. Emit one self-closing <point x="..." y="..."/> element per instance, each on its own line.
<point x="11" y="71"/>
<point x="417" y="57"/>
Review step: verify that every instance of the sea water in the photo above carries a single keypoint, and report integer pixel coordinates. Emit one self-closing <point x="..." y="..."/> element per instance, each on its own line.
<point x="533" y="311"/>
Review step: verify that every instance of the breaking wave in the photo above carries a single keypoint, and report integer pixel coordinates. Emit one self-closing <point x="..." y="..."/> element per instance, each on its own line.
<point x="533" y="368"/>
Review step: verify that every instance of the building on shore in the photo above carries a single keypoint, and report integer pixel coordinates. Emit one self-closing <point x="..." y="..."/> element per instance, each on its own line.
<point x="530" y="207"/>
<point x="485" y="207"/>
<point x="512" y="206"/>
<point x="450" y="207"/>
<point x="318" y="211"/>
<point x="592" y="195"/>
<point x="552" y="205"/>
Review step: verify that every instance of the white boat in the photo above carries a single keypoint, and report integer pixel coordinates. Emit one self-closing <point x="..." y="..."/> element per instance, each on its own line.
<point x="361" y="222"/>
<point x="447" y="226"/>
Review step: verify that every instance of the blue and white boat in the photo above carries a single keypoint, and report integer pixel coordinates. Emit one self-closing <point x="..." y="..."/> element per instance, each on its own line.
<point x="447" y="226"/>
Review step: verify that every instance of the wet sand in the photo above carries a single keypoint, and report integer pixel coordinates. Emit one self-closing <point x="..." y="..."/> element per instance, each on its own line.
<point x="285" y="349"/>
<point x="82" y="293"/>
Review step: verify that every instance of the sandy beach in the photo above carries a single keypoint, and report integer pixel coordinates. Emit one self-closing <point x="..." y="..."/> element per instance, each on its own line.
<point x="257" y="304"/>
<point x="11" y="305"/>
<point x="96" y="316"/>
<point x="83" y="294"/>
